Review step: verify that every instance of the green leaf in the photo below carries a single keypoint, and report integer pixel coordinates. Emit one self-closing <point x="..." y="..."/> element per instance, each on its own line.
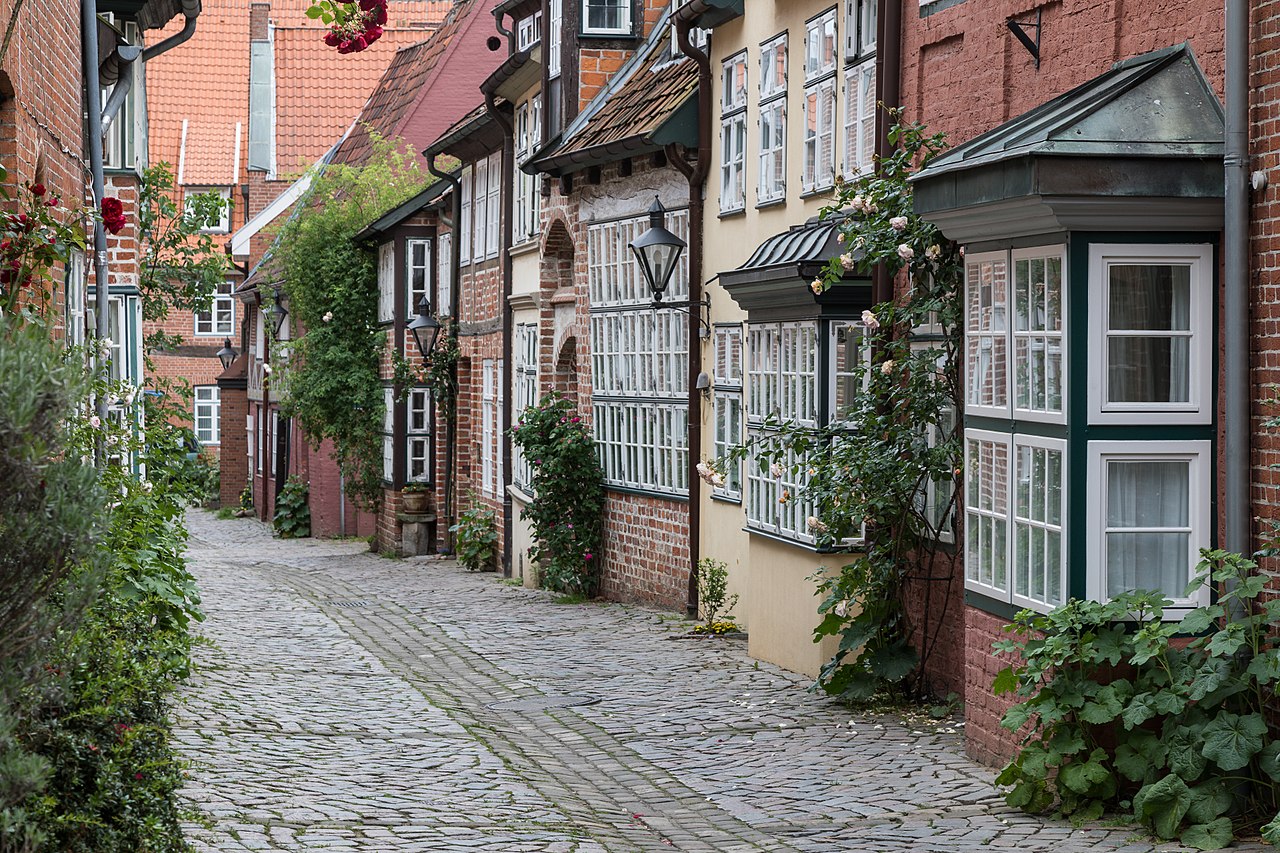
<point x="1208" y="802"/>
<point x="1141" y="709"/>
<point x="1230" y="740"/>
<point x="1006" y="682"/>
<point x="1103" y="708"/>
<point x="1200" y="620"/>
<point x="894" y="663"/>
<point x="1265" y="666"/>
<point x="1269" y="760"/>
<point x="1185" y="758"/>
<point x="1271" y="832"/>
<point x="1083" y="776"/>
<point x="1214" y="835"/>
<point x="1227" y="641"/>
<point x="1140" y="755"/>
<point x="1162" y="805"/>
<point x="314" y="12"/>
<point x="1111" y="645"/>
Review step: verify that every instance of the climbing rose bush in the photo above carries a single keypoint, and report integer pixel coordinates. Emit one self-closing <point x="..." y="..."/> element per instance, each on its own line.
<point x="353" y="24"/>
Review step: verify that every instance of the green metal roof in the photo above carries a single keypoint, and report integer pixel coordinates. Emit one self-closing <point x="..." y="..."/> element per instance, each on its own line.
<point x="1140" y="143"/>
<point x="1155" y="105"/>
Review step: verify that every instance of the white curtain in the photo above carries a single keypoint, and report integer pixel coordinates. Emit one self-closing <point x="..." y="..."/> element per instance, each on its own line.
<point x="1147" y="496"/>
<point x="1149" y="367"/>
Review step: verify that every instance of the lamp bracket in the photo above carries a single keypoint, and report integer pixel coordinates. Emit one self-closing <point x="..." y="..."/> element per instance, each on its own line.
<point x="683" y="307"/>
<point x="1019" y="30"/>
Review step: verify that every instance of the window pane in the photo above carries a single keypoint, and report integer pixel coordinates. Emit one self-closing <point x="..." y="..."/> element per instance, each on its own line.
<point x="1146" y="297"/>
<point x="1150" y="561"/>
<point x="1144" y="369"/>
<point x="1149" y="493"/>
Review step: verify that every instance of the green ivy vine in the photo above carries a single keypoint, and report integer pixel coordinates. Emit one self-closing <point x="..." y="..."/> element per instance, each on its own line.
<point x="330" y="378"/>
<point x="567" y="509"/>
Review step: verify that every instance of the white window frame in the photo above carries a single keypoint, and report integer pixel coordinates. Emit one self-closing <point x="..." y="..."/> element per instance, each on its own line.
<point x="206" y="404"/>
<point x="251" y="437"/>
<point x="1018" y="515"/>
<point x="464" y="225"/>
<point x="120" y="141"/>
<point x="697" y="35"/>
<point x="555" y="21"/>
<point x="819" y="102"/>
<point x="387" y="282"/>
<point x="972" y="574"/>
<point x="418" y="435"/>
<point x="733" y="134"/>
<point x="1038" y="415"/>
<point x="444" y="274"/>
<point x="1199" y="456"/>
<point x="525" y="355"/>
<point x="529" y="31"/>
<point x="490" y="398"/>
<point x="1199" y="409"/>
<point x="220" y="320"/>
<point x="388" y="434"/>
<point x="727" y="399"/>
<point x="859" y="118"/>
<point x="275" y="443"/>
<point x="863" y="365"/>
<point x="74" y="307"/>
<point x="480" y="210"/>
<point x="773" y="100"/>
<point x="223" y="225"/>
<point x="860" y="22"/>
<point x="527" y="207"/>
<point x="493" y="218"/>
<point x="623" y="6"/>
<point x="412" y="271"/>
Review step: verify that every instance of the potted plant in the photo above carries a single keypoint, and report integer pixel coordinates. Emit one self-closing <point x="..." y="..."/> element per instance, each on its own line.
<point x="416" y="498"/>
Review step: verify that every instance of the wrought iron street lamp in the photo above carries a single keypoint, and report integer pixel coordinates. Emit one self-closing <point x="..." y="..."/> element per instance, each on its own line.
<point x="226" y="355"/>
<point x="658" y="251"/>
<point x="279" y="314"/>
<point x="425" y="328"/>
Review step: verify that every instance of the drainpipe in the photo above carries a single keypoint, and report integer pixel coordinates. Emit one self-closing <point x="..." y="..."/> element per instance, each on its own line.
<point x="1236" y="287"/>
<point x="510" y="35"/>
<point x="190" y="10"/>
<point x="508" y="167"/>
<point x="451" y="427"/>
<point x="93" y="106"/>
<point x="696" y="174"/>
<point x="889" y="80"/>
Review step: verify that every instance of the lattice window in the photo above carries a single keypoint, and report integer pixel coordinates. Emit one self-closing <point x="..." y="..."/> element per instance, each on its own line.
<point x="525" y="353"/>
<point x="418" y="434"/>
<point x="207" y="414"/>
<point x="417" y="273"/>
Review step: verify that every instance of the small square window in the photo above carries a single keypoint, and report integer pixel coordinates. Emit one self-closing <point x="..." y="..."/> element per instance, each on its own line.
<point x="204" y="198"/>
<point x="606" y="17"/>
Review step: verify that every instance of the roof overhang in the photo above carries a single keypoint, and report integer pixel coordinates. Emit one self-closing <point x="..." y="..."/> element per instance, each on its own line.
<point x="711" y="13"/>
<point x="775" y="282"/>
<point x="392" y="218"/>
<point x="679" y="127"/>
<point x="150" y="14"/>
<point x="518" y="74"/>
<point x="241" y="240"/>
<point x="473" y="138"/>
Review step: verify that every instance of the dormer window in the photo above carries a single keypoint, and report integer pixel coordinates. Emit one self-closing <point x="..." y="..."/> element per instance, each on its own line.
<point x="529" y="31"/>
<point x="606" y="17"/>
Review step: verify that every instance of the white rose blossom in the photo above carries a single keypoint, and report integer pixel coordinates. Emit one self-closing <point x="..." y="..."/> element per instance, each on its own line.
<point x="266" y="368"/>
<point x="898" y="223"/>
<point x="906" y="252"/>
<point x="847" y="261"/>
<point x="870" y="320"/>
<point x="95" y="422"/>
<point x="886" y="366"/>
<point x="933" y="252"/>
<point x="776" y="470"/>
<point x="328" y="316"/>
<point x="816" y="285"/>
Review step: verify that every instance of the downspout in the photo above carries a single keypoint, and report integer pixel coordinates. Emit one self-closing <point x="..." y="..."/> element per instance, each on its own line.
<point x="190" y="10"/>
<point x="510" y="35"/>
<point x="695" y="174"/>
<point x="889" y="81"/>
<point x="1236" y="403"/>
<point x="508" y="168"/>
<point x="451" y="427"/>
<point x="93" y="105"/>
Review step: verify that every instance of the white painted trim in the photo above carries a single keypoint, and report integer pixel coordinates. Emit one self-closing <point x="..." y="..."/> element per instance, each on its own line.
<point x="1198" y="454"/>
<point x="1033" y="253"/>
<point x="1006" y="410"/>
<point x="241" y="237"/>
<point x="182" y="152"/>
<point x="1199" y="410"/>
<point x="1064" y="570"/>
<point x="1005" y="439"/>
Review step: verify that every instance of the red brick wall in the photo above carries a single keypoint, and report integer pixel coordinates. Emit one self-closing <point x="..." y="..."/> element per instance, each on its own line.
<point x="646" y="554"/>
<point x="985" y="740"/>
<point x="329" y="517"/>
<point x="233" y="459"/>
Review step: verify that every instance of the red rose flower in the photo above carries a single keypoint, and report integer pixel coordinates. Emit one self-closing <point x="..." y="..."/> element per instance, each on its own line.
<point x="113" y="215"/>
<point x="331" y="39"/>
<point x="380" y="16"/>
<point x="372" y="34"/>
<point x="37" y="190"/>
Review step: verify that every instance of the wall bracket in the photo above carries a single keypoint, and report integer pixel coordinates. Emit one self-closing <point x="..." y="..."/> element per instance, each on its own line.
<point x="1019" y="30"/>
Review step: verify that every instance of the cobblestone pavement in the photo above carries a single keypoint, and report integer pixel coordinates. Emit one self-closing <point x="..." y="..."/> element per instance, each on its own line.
<point x="351" y="702"/>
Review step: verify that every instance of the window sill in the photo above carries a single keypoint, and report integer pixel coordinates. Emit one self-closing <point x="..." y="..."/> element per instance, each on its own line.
<point x="727" y="499"/>
<point x="773" y="202"/>
<point x="527" y="246"/>
<point x="212" y="334"/>
<point x="817" y="191"/>
<point x="733" y="211"/>
<point x="616" y="35"/>
<point x="674" y="497"/>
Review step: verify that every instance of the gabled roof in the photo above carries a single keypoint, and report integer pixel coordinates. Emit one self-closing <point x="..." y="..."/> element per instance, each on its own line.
<point x="423" y="90"/>
<point x="637" y="113"/>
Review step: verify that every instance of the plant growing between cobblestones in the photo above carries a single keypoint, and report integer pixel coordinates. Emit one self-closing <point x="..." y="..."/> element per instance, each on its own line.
<point x="476" y="540"/>
<point x="567" y="508"/>
<point x="332" y="373"/>
<point x="1118" y="716"/>
<point x="888" y="463"/>
<point x="713" y="598"/>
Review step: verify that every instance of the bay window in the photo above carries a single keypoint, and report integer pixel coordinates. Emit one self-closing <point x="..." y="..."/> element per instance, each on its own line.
<point x="1138" y="445"/>
<point x="772" y="184"/>
<point x="639" y="355"/>
<point x="820" y="102"/>
<point x="733" y="134"/>
<point x="528" y="200"/>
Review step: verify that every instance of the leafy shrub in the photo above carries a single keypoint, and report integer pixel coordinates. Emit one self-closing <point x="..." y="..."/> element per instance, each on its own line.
<point x="713" y="585"/>
<point x="293" y="512"/>
<point x="476" y="543"/>
<point x="1121" y="717"/>
<point x="567" y="509"/>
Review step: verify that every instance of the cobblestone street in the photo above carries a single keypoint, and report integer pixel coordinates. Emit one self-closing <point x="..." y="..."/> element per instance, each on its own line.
<point x="348" y="701"/>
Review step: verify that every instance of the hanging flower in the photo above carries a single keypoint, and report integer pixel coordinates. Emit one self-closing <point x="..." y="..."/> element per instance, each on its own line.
<point x="906" y="252"/>
<point x="816" y="286"/>
<point x="933" y="252"/>
<point x="870" y="320"/>
<point x="95" y="422"/>
<point x="786" y="496"/>
<point x="841" y="609"/>
<point x="113" y="215"/>
<point x="776" y="470"/>
<point x="328" y="317"/>
<point x="886" y="366"/>
<point x="266" y="368"/>
<point x="898" y="223"/>
<point x="840" y="237"/>
<point x="816" y="524"/>
<point x="847" y="261"/>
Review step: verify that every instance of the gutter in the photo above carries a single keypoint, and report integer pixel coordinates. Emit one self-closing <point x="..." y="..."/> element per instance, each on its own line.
<point x="455" y="295"/>
<point x="1235" y="257"/>
<point x="508" y="315"/>
<point x="696" y="175"/>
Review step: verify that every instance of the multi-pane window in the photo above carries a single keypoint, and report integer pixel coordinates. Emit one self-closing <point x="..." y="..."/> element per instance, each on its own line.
<point x="555" y="21"/>
<point x="639" y="363"/>
<point x="859" y="29"/>
<point x="418" y="435"/>
<point x="464" y="220"/>
<point x="275" y="444"/>
<point x="1037" y="335"/>
<point x="525" y="354"/>
<point x="859" y="117"/>
<point x="820" y="102"/>
<point x="850" y="354"/>
<point x="528" y="200"/>
<point x="529" y="31"/>
<point x="606" y="17"/>
<point x="733" y="134"/>
<point x="120" y="148"/>
<point x="490" y="405"/>
<point x="207" y="414"/>
<point x="480" y="211"/>
<point x="444" y="275"/>
<point x="388" y="434"/>
<point x="492" y="221"/>
<point x="387" y="282"/>
<point x="251" y="438"/>
<point x="219" y="319"/>
<point x="1151" y="327"/>
<point x="782" y="383"/>
<point x="417" y="262"/>
<point x="697" y="35"/>
<point x="728" y="406"/>
<point x="219" y="224"/>
<point x="772" y="185"/>
<point x="74" y="298"/>
<point x="986" y="314"/>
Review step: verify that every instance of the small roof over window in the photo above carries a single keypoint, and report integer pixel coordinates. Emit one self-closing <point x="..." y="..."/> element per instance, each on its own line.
<point x="1139" y="146"/>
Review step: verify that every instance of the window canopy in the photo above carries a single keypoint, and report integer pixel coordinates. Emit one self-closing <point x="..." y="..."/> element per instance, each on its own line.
<point x="775" y="280"/>
<point x="1140" y="146"/>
